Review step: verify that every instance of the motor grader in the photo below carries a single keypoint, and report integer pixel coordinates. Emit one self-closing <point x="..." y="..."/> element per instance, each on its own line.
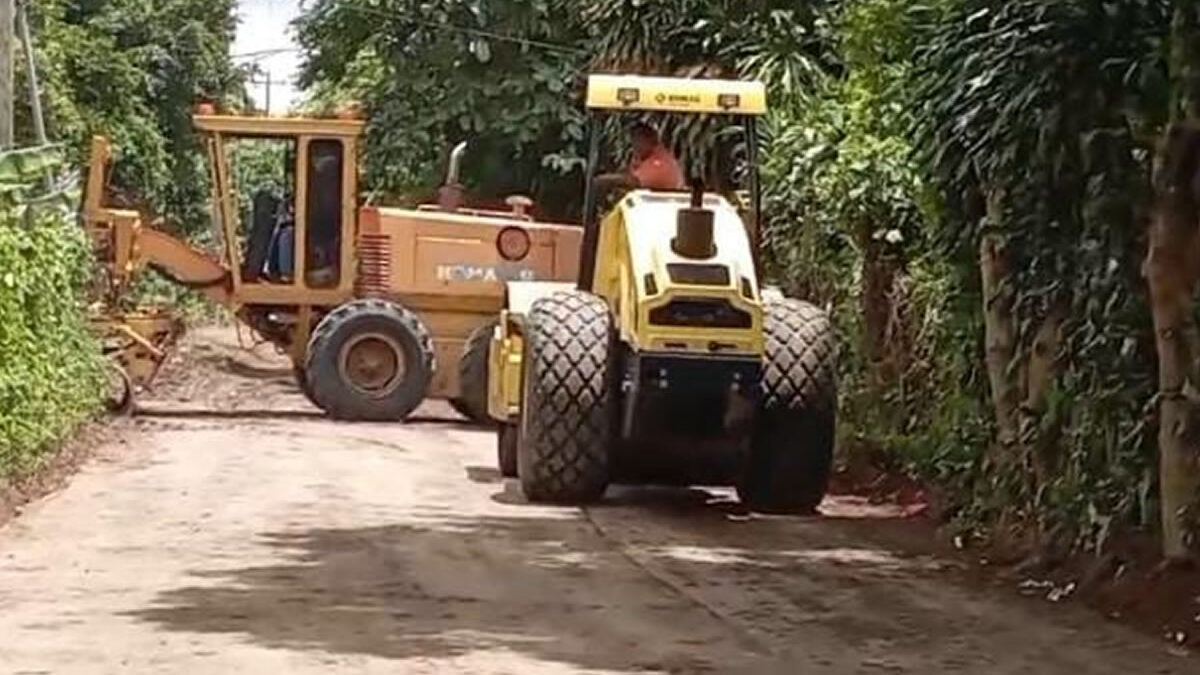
<point x="378" y="307"/>
<point x="667" y="361"/>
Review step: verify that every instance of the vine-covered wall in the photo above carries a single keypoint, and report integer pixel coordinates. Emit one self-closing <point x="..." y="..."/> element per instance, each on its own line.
<point x="51" y="375"/>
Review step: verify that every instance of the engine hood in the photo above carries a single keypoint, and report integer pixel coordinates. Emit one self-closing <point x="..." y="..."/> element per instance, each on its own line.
<point x="650" y="219"/>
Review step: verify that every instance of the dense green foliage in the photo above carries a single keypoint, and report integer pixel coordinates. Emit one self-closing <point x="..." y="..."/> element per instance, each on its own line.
<point x="843" y="194"/>
<point x="1033" y="129"/>
<point x="1024" y="124"/>
<point x="1011" y="144"/>
<point x="50" y="379"/>
<point x="132" y="70"/>
<point x="508" y="77"/>
<point x="426" y="88"/>
<point x="50" y="366"/>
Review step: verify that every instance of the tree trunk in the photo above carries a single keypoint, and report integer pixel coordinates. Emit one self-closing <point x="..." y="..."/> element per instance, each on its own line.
<point x="1171" y="268"/>
<point x="1000" y="333"/>
<point x="879" y="280"/>
<point x="7" y="51"/>
<point x="1038" y="434"/>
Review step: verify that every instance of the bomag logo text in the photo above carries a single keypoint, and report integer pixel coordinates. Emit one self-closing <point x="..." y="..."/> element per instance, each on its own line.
<point x="483" y="273"/>
<point x="679" y="99"/>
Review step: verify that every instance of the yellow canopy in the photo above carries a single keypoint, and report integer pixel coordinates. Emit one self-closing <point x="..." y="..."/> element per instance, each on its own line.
<point x="248" y="125"/>
<point x="676" y="94"/>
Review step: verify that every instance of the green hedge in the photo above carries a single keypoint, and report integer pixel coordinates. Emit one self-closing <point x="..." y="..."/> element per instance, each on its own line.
<point x="51" y="373"/>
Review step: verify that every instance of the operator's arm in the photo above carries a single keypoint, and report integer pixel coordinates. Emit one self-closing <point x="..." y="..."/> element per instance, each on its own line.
<point x="611" y="181"/>
<point x="660" y="171"/>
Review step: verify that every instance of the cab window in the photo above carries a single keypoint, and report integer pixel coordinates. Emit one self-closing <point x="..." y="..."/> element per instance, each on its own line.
<point x="323" y="211"/>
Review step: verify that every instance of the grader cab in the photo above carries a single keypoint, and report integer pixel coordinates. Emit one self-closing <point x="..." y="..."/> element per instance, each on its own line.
<point x="666" y="361"/>
<point x="378" y="307"/>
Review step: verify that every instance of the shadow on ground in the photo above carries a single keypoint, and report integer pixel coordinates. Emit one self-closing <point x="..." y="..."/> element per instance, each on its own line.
<point x="551" y="585"/>
<point x="160" y="411"/>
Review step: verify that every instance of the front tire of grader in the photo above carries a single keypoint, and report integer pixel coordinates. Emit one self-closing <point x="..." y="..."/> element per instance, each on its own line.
<point x="302" y="383"/>
<point x="471" y="401"/>
<point x="369" y="360"/>
<point x="119" y="398"/>
<point x="791" y="455"/>
<point x="567" y="411"/>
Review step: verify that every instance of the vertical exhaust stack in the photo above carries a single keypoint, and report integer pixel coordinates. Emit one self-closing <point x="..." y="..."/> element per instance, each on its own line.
<point x="452" y="194"/>
<point x="694" y="227"/>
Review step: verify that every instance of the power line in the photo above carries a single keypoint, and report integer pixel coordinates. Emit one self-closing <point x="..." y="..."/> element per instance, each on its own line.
<point x="399" y="15"/>
<point x="273" y="80"/>
<point x="263" y="53"/>
<point x="409" y="18"/>
<point x="477" y="32"/>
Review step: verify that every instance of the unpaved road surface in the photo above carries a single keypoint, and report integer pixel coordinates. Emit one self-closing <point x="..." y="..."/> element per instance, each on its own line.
<point x="237" y="531"/>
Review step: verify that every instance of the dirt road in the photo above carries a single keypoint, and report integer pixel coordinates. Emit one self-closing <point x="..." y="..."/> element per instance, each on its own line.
<point x="237" y="531"/>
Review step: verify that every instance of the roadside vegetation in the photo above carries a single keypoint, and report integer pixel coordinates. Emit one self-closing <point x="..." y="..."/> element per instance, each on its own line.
<point x="132" y="70"/>
<point x="50" y="371"/>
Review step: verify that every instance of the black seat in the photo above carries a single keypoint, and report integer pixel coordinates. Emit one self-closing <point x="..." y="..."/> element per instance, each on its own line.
<point x="262" y="231"/>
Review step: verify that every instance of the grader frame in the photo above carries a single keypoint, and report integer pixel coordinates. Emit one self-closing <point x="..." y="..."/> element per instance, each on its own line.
<point x="442" y="267"/>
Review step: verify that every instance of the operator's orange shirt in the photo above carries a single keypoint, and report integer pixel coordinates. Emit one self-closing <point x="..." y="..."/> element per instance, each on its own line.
<point x="659" y="171"/>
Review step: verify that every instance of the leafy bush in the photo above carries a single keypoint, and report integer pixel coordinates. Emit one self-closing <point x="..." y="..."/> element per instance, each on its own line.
<point x="426" y="88"/>
<point x="132" y="70"/>
<point x="51" y="374"/>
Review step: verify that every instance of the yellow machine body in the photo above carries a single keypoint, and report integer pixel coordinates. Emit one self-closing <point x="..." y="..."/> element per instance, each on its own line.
<point x="444" y="266"/>
<point x="635" y="268"/>
<point x="666" y="363"/>
<point x="676" y="95"/>
<point x="641" y="276"/>
<point x="443" y="263"/>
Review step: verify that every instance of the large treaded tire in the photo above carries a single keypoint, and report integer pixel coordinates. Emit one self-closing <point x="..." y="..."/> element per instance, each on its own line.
<point x="339" y="397"/>
<point x="791" y="456"/>
<point x="120" y="397"/>
<point x="567" y="412"/>
<point x="302" y="383"/>
<point x="472" y="399"/>
<point x="508" y="437"/>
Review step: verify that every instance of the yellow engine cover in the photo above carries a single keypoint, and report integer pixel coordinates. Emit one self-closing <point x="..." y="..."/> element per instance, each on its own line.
<point x="643" y="279"/>
<point x="665" y="302"/>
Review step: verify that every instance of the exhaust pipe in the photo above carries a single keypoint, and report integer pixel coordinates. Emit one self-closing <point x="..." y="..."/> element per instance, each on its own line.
<point x="452" y="195"/>
<point x="694" y="228"/>
<point x="456" y="156"/>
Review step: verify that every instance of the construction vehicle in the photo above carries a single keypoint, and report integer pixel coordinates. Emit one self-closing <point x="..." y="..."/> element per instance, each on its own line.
<point x="667" y="361"/>
<point x="379" y="308"/>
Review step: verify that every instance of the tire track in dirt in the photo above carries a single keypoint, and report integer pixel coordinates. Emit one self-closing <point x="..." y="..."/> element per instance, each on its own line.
<point x="827" y="595"/>
<point x="749" y="637"/>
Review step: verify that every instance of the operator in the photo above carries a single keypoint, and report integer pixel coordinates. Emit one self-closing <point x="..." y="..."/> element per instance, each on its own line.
<point x="654" y="167"/>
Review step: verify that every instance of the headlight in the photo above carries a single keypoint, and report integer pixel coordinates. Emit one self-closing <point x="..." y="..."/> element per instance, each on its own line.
<point x="513" y="243"/>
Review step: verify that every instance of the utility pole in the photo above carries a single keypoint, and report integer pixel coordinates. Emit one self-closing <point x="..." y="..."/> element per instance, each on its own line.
<point x="268" y="96"/>
<point x="35" y="88"/>
<point x="7" y="27"/>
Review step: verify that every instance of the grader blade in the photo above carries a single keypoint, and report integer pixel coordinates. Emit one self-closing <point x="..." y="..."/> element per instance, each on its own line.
<point x="136" y="346"/>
